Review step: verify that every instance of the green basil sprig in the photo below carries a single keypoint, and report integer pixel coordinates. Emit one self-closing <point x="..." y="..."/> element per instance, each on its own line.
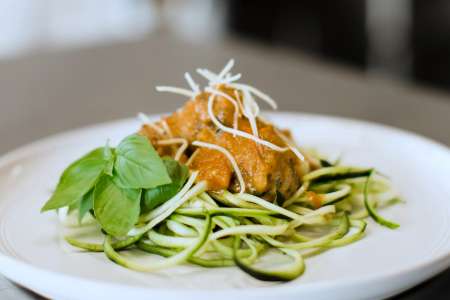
<point x="77" y="180"/>
<point x="138" y="165"/>
<point x="116" y="209"/>
<point x="158" y="195"/>
<point x="85" y="205"/>
<point x="117" y="184"/>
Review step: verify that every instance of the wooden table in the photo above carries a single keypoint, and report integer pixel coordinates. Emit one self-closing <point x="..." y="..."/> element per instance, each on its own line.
<point x="48" y="93"/>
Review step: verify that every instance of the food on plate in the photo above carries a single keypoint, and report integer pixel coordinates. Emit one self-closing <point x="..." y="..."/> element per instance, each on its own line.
<point x="215" y="184"/>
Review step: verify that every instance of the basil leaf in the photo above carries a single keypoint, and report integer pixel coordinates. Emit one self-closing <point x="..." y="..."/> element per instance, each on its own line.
<point x="86" y="204"/>
<point x="157" y="196"/>
<point x="138" y="165"/>
<point x="73" y="206"/>
<point x="116" y="209"/>
<point x="108" y="156"/>
<point x="77" y="180"/>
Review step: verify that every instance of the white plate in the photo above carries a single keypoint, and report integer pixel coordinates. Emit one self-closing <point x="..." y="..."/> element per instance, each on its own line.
<point x="382" y="264"/>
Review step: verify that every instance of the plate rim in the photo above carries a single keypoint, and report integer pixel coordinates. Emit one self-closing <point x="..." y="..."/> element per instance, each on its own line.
<point x="433" y="264"/>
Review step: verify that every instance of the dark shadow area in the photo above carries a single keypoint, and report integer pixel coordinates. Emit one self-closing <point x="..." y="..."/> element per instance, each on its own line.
<point x="410" y="40"/>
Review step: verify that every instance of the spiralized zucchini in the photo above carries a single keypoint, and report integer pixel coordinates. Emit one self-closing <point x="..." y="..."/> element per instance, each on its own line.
<point x="222" y="229"/>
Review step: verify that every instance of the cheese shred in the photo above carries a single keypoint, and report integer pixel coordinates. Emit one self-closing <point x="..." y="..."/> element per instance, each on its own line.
<point x="175" y="90"/>
<point x="239" y="132"/>
<point x="184" y="144"/>
<point x="145" y="120"/>
<point x="230" y="158"/>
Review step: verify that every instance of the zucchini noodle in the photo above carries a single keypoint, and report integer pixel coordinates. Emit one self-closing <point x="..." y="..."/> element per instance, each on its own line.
<point x="184" y="221"/>
<point x="219" y="229"/>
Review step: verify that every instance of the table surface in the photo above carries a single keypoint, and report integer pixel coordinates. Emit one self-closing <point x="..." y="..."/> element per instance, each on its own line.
<point x="47" y="93"/>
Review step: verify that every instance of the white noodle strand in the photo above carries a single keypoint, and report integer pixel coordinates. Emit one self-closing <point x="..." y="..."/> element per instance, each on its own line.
<point x="184" y="144"/>
<point x="146" y="121"/>
<point x="166" y="128"/>
<point x="291" y="146"/>
<point x="239" y="132"/>
<point x="176" y="90"/>
<point x="229" y="98"/>
<point x="226" y="69"/>
<point x="230" y="158"/>
<point x="256" y="92"/>
<point x="195" y="88"/>
<point x="251" y="111"/>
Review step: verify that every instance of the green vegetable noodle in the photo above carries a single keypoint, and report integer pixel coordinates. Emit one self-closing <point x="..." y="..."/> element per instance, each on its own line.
<point x="217" y="186"/>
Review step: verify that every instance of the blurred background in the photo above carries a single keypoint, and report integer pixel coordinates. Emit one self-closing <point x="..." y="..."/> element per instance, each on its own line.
<point x="70" y="63"/>
<point x="409" y="39"/>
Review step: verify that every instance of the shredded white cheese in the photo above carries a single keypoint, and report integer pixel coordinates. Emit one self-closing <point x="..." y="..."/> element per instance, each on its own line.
<point x="230" y="158"/>
<point x="210" y="76"/>
<point x="166" y="128"/>
<point x="145" y="120"/>
<point x="192" y="157"/>
<point x="238" y="99"/>
<point x="184" y="144"/>
<point x="224" y="77"/>
<point x="251" y="111"/>
<point x="290" y="145"/>
<point x="256" y="92"/>
<point x="229" y="98"/>
<point x="239" y="132"/>
<point x="227" y="68"/>
<point x="231" y="78"/>
<point x="248" y="106"/>
<point x="176" y="90"/>
<point x="195" y="87"/>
